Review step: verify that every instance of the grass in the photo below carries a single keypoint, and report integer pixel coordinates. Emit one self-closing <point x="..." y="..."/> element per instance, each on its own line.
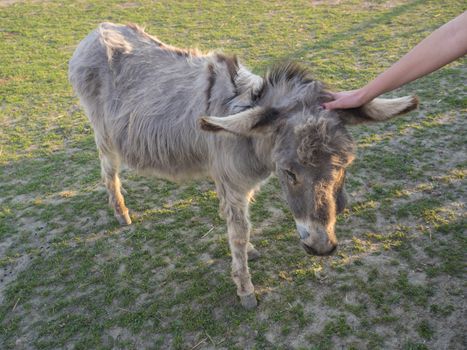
<point x="70" y="277"/>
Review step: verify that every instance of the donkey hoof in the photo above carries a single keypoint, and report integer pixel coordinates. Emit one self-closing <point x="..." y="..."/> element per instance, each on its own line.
<point x="253" y="254"/>
<point x="249" y="301"/>
<point x="123" y="219"/>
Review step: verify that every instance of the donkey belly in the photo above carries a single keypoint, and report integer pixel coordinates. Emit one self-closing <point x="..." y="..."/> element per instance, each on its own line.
<point x="170" y="170"/>
<point x="169" y="152"/>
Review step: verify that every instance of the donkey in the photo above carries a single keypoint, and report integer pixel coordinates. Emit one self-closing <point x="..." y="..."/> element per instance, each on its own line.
<point x="180" y="114"/>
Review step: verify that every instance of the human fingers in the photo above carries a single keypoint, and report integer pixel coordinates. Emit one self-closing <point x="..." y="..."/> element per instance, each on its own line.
<point x="331" y="105"/>
<point x="345" y="99"/>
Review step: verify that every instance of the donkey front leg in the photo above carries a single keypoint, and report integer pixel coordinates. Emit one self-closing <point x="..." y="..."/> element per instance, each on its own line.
<point x="236" y="214"/>
<point x="238" y="228"/>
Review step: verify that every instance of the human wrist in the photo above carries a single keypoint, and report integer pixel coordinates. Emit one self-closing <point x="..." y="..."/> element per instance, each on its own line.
<point x="364" y="95"/>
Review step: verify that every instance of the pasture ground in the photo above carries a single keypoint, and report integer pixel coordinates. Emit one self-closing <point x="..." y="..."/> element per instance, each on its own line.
<point x="71" y="278"/>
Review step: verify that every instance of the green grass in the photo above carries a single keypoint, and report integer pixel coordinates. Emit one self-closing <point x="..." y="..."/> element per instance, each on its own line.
<point x="71" y="277"/>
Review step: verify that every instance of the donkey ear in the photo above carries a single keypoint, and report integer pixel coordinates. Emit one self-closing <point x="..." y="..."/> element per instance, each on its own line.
<point x="255" y="120"/>
<point x="378" y="110"/>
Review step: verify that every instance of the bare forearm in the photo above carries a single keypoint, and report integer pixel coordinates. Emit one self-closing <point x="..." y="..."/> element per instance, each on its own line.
<point x="441" y="47"/>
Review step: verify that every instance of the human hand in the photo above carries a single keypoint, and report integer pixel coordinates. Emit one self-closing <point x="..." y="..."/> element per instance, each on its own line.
<point x="346" y="99"/>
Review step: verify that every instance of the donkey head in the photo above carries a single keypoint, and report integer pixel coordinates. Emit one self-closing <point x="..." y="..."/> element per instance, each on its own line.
<point x="311" y="147"/>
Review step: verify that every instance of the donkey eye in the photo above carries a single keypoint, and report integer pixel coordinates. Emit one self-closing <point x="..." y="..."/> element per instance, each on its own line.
<point x="291" y="176"/>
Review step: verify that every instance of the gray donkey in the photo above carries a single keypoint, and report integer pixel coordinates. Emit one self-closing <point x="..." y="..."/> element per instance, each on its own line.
<point x="180" y="114"/>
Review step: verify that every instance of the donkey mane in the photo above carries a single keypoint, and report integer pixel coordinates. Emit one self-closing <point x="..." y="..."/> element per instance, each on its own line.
<point x="288" y="71"/>
<point x="293" y="83"/>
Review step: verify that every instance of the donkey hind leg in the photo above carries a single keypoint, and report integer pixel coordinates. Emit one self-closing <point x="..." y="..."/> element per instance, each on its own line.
<point x="235" y="211"/>
<point x="110" y="166"/>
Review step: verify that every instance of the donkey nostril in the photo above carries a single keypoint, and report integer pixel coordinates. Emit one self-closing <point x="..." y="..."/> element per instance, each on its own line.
<point x="303" y="232"/>
<point x="309" y="249"/>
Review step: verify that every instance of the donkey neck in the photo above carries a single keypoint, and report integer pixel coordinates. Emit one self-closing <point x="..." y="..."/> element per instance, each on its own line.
<point x="263" y="150"/>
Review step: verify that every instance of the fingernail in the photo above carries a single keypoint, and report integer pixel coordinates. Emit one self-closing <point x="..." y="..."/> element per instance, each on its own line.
<point x="322" y="106"/>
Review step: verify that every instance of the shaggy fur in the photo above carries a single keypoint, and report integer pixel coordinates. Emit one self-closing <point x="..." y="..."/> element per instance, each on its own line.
<point x="324" y="140"/>
<point x="179" y="114"/>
